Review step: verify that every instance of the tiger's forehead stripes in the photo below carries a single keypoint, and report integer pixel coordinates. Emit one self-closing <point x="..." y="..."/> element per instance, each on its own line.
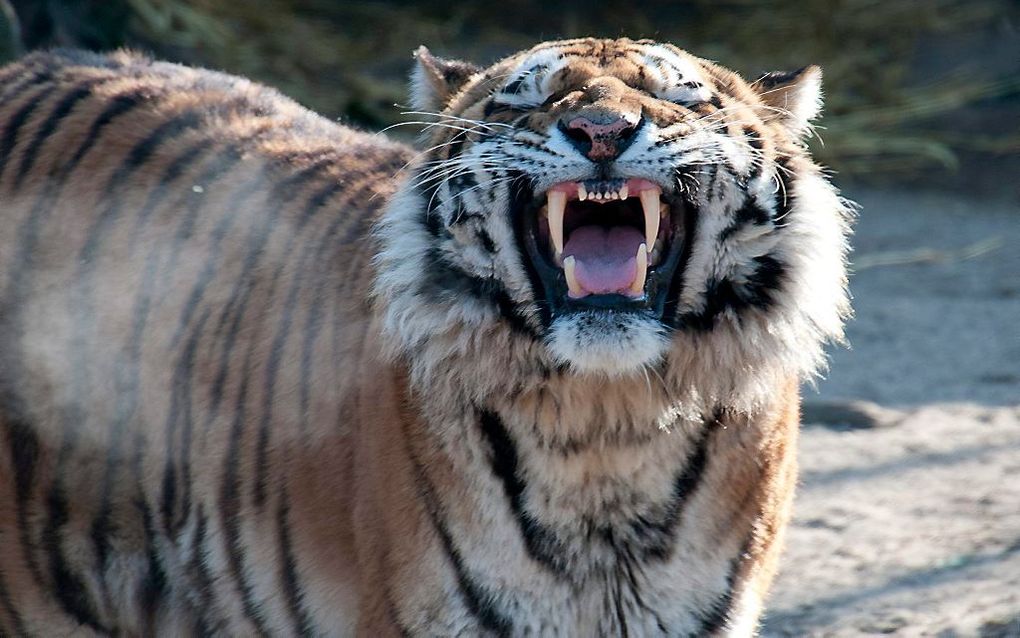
<point x="663" y="71"/>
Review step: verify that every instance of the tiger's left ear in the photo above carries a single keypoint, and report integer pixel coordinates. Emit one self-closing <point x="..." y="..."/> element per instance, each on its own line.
<point x="435" y="80"/>
<point x="795" y="98"/>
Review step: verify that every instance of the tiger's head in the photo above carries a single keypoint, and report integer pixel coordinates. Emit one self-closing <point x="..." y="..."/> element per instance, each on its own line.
<point x="606" y="207"/>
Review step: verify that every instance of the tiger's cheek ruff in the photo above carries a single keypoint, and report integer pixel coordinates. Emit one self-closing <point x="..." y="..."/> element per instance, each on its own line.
<point x="460" y="335"/>
<point x="765" y="298"/>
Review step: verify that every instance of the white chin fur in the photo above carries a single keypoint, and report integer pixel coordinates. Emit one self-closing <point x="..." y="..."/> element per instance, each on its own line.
<point x="609" y="343"/>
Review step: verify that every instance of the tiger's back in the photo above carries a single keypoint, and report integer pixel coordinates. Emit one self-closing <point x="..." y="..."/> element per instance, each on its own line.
<point x="178" y="251"/>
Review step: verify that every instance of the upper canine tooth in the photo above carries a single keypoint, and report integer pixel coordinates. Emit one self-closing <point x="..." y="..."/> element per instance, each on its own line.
<point x="556" y="203"/>
<point x="650" y="206"/>
<point x="582" y="192"/>
<point x="624" y="192"/>
<point x="638" y="285"/>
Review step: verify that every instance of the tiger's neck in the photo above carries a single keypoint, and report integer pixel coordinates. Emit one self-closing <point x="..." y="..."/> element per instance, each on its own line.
<point x="560" y="508"/>
<point x="585" y="473"/>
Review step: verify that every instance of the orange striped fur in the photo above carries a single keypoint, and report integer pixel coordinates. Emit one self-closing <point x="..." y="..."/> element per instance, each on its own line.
<point x="264" y="374"/>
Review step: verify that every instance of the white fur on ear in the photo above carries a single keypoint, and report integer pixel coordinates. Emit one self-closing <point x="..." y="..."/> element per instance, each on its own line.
<point x="795" y="97"/>
<point x="434" y="81"/>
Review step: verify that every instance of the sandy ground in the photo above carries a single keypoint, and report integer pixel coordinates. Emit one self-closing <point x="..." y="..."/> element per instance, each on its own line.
<point x="907" y="522"/>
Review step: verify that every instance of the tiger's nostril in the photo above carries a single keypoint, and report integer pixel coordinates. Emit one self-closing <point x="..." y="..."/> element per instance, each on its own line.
<point x="599" y="141"/>
<point x="577" y="135"/>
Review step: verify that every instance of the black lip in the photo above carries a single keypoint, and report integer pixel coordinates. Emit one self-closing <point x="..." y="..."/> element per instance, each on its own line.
<point x="663" y="283"/>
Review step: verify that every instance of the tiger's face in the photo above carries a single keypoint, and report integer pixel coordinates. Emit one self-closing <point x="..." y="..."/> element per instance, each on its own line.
<point x="604" y="196"/>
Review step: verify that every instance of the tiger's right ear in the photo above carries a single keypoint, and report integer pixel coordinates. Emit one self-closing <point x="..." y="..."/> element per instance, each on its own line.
<point x="435" y="80"/>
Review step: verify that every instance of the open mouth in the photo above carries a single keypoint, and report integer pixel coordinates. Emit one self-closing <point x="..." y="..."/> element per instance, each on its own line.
<point x="611" y="244"/>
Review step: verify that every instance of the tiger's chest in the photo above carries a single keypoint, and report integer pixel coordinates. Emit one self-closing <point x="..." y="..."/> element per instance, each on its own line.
<point x="555" y="543"/>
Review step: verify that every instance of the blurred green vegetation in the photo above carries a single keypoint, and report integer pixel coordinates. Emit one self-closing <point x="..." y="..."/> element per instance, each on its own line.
<point x="900" y="103"/>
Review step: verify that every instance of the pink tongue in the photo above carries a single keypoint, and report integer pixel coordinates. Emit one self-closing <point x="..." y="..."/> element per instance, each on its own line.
<point x="604" y="257"/>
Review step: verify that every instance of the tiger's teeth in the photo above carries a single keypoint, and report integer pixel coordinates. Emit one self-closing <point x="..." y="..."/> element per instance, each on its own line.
<point x="582" y="192"/>
<point x="624" y="192"/>
<point x="573" y="288"/>
<point x="650" y="206"/>
<point x="638" y="286"/>
<point x="556" y="203"/>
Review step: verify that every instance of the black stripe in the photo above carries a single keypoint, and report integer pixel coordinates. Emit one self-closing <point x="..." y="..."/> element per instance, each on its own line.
<point x="292" y="590"/>
<point x="774" y="79"/>
<point x="68" y="587"/>
<point x="751" y="213"/>
<point x="757" y="291"/>
<point x="118" y="106"/>
<point x="16" y="121"/>
<point x="784" y="194"/>
<point x="194" y="201"/>
<point x="627" y="561"/>
<point x="520" y="195"/>
<point x="753" y="139"/>
<point x="542" y="545"/>
<point x="202" y="581"/>
<point x="479" y="602"/>
<point x="46" y="129"/>
<point x="164" y="186"/>
<point x="16" y="89"/>
<point x="443" y="281"/>
<point x="153" y="587"/>
<point x="230" y="506"/>
<point x="660" y="535"/>
<point x="25" y="451"/>
<point x="180" y="414"/>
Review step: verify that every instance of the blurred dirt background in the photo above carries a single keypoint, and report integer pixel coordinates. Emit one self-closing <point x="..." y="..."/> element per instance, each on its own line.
<point x="908" y="518"/>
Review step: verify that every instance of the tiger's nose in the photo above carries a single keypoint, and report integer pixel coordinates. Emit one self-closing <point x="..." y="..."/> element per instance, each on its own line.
<point x="600" y="140"/>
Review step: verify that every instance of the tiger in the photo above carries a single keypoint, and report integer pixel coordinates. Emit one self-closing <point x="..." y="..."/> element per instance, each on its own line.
<point x="535" y="374"/>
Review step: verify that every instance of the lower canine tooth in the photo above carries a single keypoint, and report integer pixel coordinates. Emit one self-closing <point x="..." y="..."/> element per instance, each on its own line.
<point x="638" y="287"/>
<point x="573" y="287"/>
